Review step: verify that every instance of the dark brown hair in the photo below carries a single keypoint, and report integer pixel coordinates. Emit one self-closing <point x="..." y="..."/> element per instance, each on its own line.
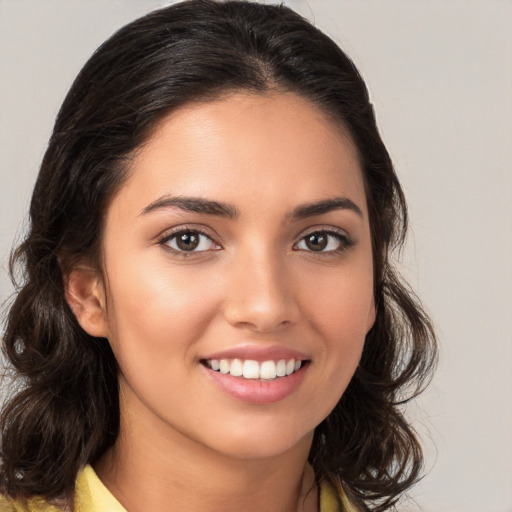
<point x="66" y="412"/>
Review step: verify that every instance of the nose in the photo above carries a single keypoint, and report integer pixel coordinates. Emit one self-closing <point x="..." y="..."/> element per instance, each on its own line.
<point x="261" y="295"/>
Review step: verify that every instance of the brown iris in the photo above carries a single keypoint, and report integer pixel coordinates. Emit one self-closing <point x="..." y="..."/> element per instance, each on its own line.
<point x="316" y="241"/>
<point x="187" y="241"/>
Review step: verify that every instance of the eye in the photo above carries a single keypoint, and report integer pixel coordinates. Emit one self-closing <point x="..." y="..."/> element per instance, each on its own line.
<point x="189" y="240"/>
<point x="325" y="241"/>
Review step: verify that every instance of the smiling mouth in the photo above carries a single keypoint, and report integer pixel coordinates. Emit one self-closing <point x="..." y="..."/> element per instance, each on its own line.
<point x="255" y="370"/>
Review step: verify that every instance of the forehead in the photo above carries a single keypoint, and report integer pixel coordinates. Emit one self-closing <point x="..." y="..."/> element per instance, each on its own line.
<point x="277" y="147"/>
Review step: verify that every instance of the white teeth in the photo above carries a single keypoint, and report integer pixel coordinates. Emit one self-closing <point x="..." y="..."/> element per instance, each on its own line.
<point x="281" y="368"/>
<point x="250" y="369"/>
<point x="224" y="366"/>
<point x="236" y="368"/>
<point x="268" y="370"/>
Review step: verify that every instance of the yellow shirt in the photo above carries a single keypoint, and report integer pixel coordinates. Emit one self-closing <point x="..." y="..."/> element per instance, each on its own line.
<point x="93" y="496"/>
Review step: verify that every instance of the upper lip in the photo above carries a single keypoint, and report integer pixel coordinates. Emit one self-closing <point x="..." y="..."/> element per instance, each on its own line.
<point x="258" y="353"/>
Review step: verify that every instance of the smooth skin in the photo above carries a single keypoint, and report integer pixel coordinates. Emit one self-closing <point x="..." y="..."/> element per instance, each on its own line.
<point x="263" y="269"/>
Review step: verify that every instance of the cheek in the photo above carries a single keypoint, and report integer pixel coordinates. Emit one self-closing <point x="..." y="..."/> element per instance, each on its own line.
<point x="342" y="301"/>
<point x="342" y="312"/>
<point x="155" y="311"/>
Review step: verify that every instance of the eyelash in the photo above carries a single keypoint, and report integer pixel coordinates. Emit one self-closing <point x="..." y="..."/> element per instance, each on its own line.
<point x="344" y="240"/>
<point x="164" y="241"/>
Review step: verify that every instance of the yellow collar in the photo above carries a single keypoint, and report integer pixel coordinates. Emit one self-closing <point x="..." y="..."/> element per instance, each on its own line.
<point x="92" y="496"/>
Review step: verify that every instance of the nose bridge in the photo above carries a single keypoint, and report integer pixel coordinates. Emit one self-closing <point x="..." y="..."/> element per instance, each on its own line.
<point x="261" y="294"/>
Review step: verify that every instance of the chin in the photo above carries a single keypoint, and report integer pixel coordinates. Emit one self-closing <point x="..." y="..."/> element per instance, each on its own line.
<point x="259" y="443"/>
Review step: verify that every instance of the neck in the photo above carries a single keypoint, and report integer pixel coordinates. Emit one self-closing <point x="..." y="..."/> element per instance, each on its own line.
<point x="160" y="469"/>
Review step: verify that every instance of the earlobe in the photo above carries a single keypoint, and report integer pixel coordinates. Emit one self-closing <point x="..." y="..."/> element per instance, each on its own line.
<point x="85" y="295"/>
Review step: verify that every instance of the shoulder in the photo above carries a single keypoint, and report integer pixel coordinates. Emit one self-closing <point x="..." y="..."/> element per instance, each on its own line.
<point x="333" y="498"/>
<point x="33" y="505"/>
<point x="6" y="505"/>
<point x="90" y="496"/>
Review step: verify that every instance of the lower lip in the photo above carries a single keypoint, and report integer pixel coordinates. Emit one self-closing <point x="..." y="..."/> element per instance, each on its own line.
<point x="258" y="391"/>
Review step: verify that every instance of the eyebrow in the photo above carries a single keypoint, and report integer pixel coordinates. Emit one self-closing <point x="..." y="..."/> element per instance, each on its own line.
<point x="209" y="207"/>
<point x="325" y="206"/>
<point x="193" y="204"/>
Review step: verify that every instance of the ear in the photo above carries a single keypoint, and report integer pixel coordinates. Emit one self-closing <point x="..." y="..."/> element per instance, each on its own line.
<point x="85" y="294"/>
<point x="372" y="315"/>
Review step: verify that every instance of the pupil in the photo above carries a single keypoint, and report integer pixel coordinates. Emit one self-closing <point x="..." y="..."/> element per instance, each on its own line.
<point x="187" y="241"/>
<point x="316" y="242"/>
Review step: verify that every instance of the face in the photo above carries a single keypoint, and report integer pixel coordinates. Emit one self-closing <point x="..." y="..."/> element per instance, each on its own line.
<point x="238" y="274"/>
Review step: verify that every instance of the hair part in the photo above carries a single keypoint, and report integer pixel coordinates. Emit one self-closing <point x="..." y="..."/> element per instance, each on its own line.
<point x="67" y="413"/>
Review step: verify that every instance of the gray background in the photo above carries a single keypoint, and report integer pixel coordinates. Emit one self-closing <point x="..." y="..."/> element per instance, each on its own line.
<point x="440" y="75"/>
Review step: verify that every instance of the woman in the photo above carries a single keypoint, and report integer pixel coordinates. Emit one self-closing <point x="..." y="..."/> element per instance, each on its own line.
<point x="209" y="318"/>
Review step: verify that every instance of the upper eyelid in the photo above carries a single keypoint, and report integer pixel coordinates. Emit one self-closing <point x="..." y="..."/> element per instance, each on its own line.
<point x="344" y="237"/>
<point x="165" y="239"/>
<point x="323" y="229"/>
<point x="216" y="239"/>
<point x="170" y="232"/>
